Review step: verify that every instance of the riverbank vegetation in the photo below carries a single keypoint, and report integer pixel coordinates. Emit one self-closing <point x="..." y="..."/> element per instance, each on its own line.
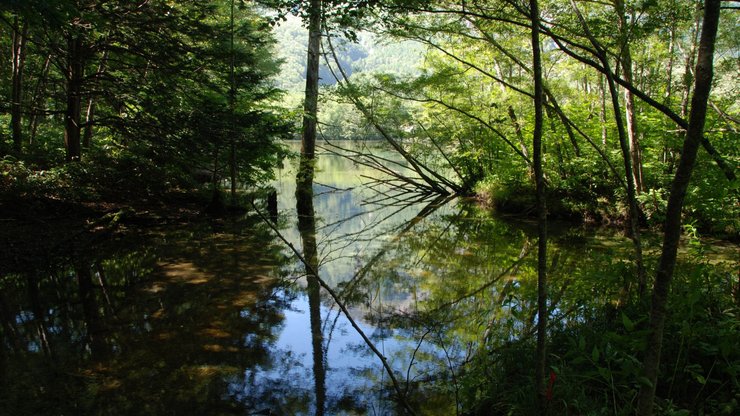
<point x="619" y="112"/>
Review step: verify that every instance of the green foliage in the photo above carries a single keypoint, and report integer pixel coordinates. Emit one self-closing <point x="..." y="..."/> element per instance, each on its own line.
<point x="713" y="203"/>
<point x="160" y="97"/>
<point x="18" y="180"/>
<point x="595" y="356"/>
<point x="654" y="203"/>
<point x="124" y="176"/>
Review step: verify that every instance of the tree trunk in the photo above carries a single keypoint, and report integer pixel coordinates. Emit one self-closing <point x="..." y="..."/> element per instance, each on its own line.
<point x="629" y="99"/>
<point x="672" y="228"/>
<point x="542" y="311"/>
<point x="671" y="58"/>
<point x="519" y="135"/>
<point x="232" y="107"/>
<point x="90" y="113"/>
<point x="666" y="157"/>
<point x="36" y="100"/>
<point x="602" y="111"/>
<point x="624" y="145"/>
<point x="72" y="126"/>
<point x="89" y="116"/>
<point x="634" y="141"/>
<point x="18" y="62"/>
<point x="216" y="206"/>
<point x="304" y="190"/>
<point x="688" y="77"/>
<point x="631" y="184"/>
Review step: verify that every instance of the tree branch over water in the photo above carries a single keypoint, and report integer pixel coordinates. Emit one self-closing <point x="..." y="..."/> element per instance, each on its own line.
<point x="419" y="167"/>
<point x="338" y="301"/>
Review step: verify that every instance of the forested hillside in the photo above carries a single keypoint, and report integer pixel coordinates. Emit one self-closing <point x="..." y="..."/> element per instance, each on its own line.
<point x="368" y="54"/>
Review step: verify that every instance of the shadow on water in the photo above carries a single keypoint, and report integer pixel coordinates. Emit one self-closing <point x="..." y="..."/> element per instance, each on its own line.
<point x="154" y="325"/>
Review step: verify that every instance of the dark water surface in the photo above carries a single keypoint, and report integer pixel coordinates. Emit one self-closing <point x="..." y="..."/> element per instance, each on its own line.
<point x="218" y="318"/>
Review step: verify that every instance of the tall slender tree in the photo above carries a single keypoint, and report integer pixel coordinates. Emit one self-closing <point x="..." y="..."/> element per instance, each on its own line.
<point x="232" y="106"/>
<point x="629" y="98"/>
<point x="74" y="74"/>
<point x="633" y="211"/>
<point x="18" y="62"/>
<point x="542" y="310"/>
<point x="704" y="73"/>
<point x="305" y="175"/>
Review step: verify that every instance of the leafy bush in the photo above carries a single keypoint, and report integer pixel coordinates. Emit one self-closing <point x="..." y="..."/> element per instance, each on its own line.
<point x="99" y="176"/>
<point x="18" y="180"/>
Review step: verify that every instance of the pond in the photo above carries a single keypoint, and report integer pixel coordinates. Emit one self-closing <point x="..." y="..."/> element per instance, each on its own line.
<point x="218" y="317"/>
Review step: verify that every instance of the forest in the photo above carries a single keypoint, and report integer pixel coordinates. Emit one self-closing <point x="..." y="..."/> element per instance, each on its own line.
<point x="481" y="207"/>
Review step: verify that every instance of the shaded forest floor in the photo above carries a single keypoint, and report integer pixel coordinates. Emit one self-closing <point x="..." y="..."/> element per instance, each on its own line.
<point x="34" y="229"/>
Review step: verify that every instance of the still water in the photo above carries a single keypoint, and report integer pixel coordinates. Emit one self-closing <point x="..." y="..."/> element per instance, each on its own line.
<point x="217" y="317"/>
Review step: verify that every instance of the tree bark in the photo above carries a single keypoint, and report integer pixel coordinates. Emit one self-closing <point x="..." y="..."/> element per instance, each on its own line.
<point x="629" y="99"/>
<point x="232" y="109"/>
<point x="602" y="111"/>
<point x="672" y="229"/>
<point x="75" y="71"/>
<point x="90" y="113"/>
<point x="20" y="31"/>
<point x="542" y="312"/>
<point x="304" y="179"/>
<point x="33" y="121"/>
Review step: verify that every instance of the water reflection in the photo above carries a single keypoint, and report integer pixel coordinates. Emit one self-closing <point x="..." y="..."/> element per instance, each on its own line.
<point x="213" y="318"/>
<point x="152" y="325"/>
<point x="217" y="318"/>
<point x="307" y="230"/>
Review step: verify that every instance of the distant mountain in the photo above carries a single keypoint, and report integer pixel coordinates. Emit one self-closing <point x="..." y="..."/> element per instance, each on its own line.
<point x="369" y="55"/>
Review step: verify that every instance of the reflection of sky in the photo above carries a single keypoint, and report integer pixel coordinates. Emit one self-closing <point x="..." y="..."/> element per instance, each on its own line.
<point x="353" y="371"/>
<point x="348" y="229"/>
<point x="348" y="233"/>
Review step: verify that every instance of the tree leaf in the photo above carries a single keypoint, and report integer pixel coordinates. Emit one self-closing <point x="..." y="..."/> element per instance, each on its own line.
<point x="644" y="381"/>
<point x="628" y="324"/>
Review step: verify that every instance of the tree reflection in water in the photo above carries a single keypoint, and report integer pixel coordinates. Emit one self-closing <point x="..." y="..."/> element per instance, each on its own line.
<point x="307" y="230"/>
<point x="141" y="326"/>
<point x="212" y="318"/>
